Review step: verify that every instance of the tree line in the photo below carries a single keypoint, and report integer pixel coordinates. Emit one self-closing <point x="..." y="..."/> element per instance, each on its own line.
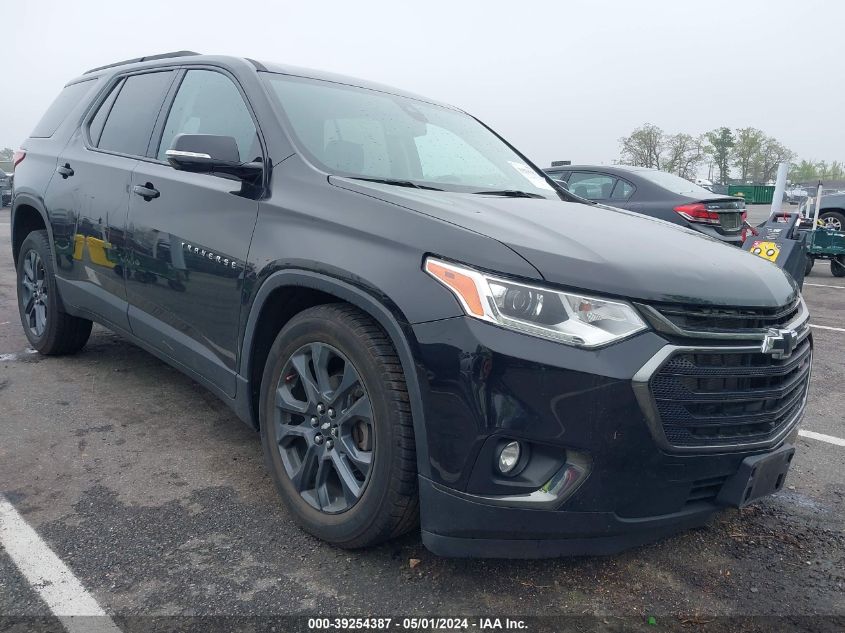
<point x="747" y="154"/>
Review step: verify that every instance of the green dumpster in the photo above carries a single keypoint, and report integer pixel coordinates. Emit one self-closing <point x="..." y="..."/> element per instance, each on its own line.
<point x="753" y="194"/>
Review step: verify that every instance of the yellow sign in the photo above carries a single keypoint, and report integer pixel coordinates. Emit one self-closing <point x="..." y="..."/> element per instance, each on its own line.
<point x="766" y="250"/>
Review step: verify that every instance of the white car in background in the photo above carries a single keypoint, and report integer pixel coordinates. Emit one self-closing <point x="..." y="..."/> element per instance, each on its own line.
<point x="796" y="195"/>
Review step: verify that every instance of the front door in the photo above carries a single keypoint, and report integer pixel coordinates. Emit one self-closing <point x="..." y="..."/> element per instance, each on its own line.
<point x="190" y="235"/>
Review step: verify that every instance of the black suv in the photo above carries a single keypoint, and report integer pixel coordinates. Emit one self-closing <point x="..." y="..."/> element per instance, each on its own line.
<point x="421" y="324"/>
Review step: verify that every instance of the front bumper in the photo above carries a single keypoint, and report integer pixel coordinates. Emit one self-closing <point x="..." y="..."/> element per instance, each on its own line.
<point x="456" y="526"/>
<point x="484" y="384"/>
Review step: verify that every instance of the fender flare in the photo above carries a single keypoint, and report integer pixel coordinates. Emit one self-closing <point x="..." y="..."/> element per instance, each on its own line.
<point x="29" y="200"/>
<point x="364" y="301"/>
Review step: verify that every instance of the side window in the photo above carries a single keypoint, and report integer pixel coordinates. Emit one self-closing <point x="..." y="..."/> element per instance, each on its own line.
<point x="209" y="103"/>
<point x="622" y="190"/>
<point x="129" y="124"/>
<point x="95" y="128"/>
<point x="69" y="97"/>
<point x="591" y="186"/>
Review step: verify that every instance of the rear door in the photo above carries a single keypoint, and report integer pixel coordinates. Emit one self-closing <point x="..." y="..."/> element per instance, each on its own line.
<point x="189" y="244"/>
<point x="88" y="198"/>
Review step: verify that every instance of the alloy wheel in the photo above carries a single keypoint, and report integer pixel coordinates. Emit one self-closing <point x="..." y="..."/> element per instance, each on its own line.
<point x="324" y="427"/>
<point x="34" y="296"/>
<point x="833" y="223"/>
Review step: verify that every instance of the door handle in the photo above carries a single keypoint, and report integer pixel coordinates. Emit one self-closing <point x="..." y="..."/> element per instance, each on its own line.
<point x="65" y="171"/>
<point x="147" y="191"/>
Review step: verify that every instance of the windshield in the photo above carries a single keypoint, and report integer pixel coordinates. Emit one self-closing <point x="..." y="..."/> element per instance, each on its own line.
<point x="363" y="133"/>
<point x="673" y="183"/>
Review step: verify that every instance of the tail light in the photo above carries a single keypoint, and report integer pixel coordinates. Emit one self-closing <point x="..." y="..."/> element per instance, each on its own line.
<point x="18" y="156"/>
<point x="697" y="212"/>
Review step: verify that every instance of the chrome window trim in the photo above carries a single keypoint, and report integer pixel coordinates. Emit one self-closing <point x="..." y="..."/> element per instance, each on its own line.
<point x="648" y="404"/>
<point x="663" y="324"/>
<point x="175" y="153"/>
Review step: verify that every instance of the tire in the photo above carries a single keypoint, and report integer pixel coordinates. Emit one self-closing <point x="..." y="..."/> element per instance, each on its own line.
<point x="49" y="330"/>
<point x="367" y="442"/>
<point x="837" y="266"/>
<point x="809" y="265"/>
<point x="833" y="219"/>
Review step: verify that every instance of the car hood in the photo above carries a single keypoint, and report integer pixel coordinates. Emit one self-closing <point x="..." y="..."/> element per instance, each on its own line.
<point x="603" y="249"/>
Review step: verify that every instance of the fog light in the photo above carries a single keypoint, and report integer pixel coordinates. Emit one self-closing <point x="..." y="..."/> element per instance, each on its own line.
<point x="509" y="457"/>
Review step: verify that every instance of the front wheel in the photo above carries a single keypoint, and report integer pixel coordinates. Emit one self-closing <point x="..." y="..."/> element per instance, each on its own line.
<point x="48" y="329"/>
<point x="837" y="266"/>
<point x="809" y="265"/>
<point x="336" y="428"/>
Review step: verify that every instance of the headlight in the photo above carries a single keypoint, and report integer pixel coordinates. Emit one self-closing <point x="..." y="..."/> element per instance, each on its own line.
<point x="570" y="318"/>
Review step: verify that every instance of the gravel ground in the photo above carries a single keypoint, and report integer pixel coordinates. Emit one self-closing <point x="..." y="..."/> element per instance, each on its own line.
<point x="156" y="497"/>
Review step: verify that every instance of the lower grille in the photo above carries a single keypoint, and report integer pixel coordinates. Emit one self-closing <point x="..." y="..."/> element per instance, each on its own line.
<point x="705" y="490"/>
<point x="717" y="398"/>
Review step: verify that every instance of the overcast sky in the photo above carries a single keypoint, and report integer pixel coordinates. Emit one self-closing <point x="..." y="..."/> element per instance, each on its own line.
<point x="560" y="80"/>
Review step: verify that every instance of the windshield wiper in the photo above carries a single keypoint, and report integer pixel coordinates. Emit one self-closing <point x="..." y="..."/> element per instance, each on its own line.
<point x="510" y="193"/>
<point x="398" y="183"/>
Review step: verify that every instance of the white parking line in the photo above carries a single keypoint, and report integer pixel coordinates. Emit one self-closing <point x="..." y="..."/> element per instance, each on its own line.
<point x="823" y="286"/>
<point x="16" y="355"/>
<point x="827" y="327"/>
<point x="837" y="441"/>
<point x="48" y="576"/>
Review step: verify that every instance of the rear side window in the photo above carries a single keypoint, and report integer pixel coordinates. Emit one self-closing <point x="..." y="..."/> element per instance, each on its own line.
<point x="61" y="107"/>
<point x="622" y="190"/>
<point x="130" y="122"/>
<point x="95" y="128"/>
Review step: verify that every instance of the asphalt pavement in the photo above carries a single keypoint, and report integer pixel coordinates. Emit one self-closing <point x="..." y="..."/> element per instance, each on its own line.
<point x="155" y="497"/>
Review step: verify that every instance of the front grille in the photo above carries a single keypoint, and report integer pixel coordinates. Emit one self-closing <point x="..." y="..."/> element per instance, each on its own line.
<point x="734" y="320"/>
<point x="729" y="397"/>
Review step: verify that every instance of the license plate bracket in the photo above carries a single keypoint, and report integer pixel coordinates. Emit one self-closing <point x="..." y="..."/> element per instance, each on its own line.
<point x="758" y="476"/>
<point x="730" y="221"/>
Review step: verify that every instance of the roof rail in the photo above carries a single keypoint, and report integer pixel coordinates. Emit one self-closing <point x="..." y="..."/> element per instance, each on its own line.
<point x="142" y="59"/>
<point x="258" y="65"/>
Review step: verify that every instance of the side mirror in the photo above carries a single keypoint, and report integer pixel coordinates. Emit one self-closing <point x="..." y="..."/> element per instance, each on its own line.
<point x="209" y="153"/>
